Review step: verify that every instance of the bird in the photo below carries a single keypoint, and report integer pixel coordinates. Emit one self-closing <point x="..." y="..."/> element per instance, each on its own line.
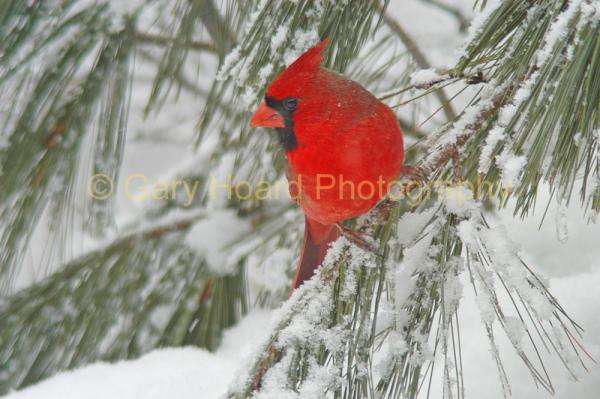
<point x="344" y="147"/>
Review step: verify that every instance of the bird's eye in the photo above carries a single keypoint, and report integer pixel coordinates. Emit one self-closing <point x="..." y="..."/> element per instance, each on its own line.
<point x="290" y="103"/>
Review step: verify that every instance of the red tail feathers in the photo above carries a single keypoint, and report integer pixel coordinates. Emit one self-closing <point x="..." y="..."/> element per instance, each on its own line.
<point x="317" y="238"/>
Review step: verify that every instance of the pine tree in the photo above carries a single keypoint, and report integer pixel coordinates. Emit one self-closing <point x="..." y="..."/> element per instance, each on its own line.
<point x="366" y="325"/>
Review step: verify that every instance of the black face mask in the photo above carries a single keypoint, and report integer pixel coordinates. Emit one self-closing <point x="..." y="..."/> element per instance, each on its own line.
<point x="285" y="108"/>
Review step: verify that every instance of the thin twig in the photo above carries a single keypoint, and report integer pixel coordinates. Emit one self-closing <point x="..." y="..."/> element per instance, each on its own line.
<point x="474" y="79"/>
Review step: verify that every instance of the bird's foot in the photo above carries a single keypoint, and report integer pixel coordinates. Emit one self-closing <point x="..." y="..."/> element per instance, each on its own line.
<point x="381" y="212"/>
<point x="361" y="240"/>
<point x="384" y="208"/>
<point x="456" y="164"/>
<point x="414" y="174"/>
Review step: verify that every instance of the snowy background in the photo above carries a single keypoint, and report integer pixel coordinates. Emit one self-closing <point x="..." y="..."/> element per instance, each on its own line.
<point x="565" y="249"/>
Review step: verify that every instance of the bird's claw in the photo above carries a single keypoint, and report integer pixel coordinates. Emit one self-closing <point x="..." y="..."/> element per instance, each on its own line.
<point x="414" y="174"/>
<point x="361" y="240"/>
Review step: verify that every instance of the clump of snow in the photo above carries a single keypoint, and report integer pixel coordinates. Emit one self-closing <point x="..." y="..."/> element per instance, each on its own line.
<point x="495" y="136"/>
<point x="425" y="77"/>
<point x="591" y="11"/>
<point x="209" y="238"/>
<point x="415" y="257"/>
<point x="453" y="288"/>
<point x="230" y="60"/>
<point x="264" y="74"/>
<point x="515" y="330"/>
<point x="486" y="307"/>
<point x="303" y="40"/>
<point x="458" y="199"/>
<point x="271" y="273"/>
<point x="511" y="167"/>
<point x="279" y="37"/>
<point x="412" y="224"/>
<point x="562" y="230"/>
<point x="249" y="97"/>
<point x="467" y="231"/>
<point x="504" y="256"/>
<point x="557" y="31"/>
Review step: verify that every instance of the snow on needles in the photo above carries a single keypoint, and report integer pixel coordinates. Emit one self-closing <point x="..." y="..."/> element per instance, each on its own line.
<point x="425" y="77"/>
<point x="304" y="325"/>
<point x="511" y="167"/>
<point x="510" y="164"/>
<point x="282" y="51"/>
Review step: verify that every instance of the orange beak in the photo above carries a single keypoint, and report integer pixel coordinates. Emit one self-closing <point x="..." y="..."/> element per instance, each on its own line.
<point x="266" y="117"/>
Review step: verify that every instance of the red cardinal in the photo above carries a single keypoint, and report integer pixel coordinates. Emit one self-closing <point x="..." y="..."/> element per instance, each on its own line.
<point x="344" y="147"/>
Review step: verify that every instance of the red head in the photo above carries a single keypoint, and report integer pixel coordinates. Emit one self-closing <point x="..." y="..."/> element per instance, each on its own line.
<point x="307" y="103"/>
<point x="294" y="81"/>
<point x="290" y="91"/>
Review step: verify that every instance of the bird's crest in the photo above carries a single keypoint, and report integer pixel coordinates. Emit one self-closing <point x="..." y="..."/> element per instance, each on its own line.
<point x="299" y="72"/>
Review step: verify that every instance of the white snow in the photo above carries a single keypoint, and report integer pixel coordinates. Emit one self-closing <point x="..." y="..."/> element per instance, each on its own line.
<point x="511" y="166"/>
<point x="211" y="236"/>
<point x="164" y="373"/>
<point x="562" y="229"/>
<point x="279" y="37"/>
<point x="557" y="31"/>
<point x="477" y="24"/>
<point x="458" y="199"/>
<point x="515" y="330"/>
<point x="425" y="78"/>
<point x="231" y="59"/>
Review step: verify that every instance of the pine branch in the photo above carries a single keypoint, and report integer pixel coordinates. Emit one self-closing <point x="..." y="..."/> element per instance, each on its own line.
<point x="118" y="293"/>
<point x="47" y="130"/>
<point x="551" y="48"/>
